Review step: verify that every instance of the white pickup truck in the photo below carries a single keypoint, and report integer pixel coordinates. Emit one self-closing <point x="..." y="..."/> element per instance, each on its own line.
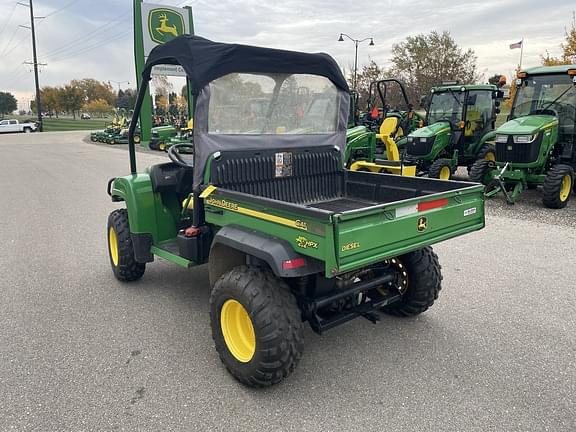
<point x="15" y="126"/>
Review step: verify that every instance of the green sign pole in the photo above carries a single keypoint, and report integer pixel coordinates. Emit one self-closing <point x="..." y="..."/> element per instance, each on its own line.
<point x="146" y="112"/>
<point x="163" y="24"/>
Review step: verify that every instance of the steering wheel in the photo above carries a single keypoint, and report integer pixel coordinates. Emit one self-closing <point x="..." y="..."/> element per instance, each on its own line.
<point x="176" y="157"/>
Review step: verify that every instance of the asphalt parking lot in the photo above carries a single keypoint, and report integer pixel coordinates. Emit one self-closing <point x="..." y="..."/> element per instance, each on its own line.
<point x="81" y="351"/>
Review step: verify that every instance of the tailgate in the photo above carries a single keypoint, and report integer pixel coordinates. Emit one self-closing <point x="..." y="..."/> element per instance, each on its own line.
<point x="370" y="235"/>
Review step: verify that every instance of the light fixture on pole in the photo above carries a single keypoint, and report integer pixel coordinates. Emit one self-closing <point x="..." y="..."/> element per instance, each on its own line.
<point x="118" y="83"/>
<point x="356" y="43"/>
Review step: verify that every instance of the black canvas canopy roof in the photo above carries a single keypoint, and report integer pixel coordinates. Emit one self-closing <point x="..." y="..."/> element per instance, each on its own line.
<point x="205" y="60"/>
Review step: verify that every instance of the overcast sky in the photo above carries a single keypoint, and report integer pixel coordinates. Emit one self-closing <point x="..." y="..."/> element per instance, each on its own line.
<point x="93" y="39"/>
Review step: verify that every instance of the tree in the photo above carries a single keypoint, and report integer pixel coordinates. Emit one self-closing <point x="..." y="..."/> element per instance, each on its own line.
<point x="568" y="48"/>
<point x="94" y="89"/>
<point x="423" y="61"/>
<point x="8" y="103"/>
<point x="98" y="106"/>
<point x="126" y="99"/>
<point x="52" y="99"/>
<point x="73" y="99"/>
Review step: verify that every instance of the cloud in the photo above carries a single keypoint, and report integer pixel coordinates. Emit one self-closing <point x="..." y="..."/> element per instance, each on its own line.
<point x="91" y="44"/>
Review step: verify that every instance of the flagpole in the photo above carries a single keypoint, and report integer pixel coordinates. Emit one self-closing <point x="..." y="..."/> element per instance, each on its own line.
<point x="521" y="51"/>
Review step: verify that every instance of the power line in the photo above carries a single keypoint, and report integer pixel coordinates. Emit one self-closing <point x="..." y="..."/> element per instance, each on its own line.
<point x="65" y="56"/>
<point x="83" y="38"/>
<point x="62" y="8"/>
<point x="9" y="18"/>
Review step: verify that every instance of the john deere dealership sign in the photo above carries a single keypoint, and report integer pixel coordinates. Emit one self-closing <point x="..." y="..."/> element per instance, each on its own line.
<point x="161" y="24"/>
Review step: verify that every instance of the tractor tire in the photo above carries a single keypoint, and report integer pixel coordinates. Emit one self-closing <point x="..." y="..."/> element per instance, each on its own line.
<point x="486" y="152"/>
<point x="478" y="171"/>
<point x="137" y="139"/>
<point x="111" y="141"/>
<point x="424" y="282"/>
<point x="256" y="326"/>
<point x="441" y="169"/>
<point x="558" y="185"/>
<point x="120" y="248"/>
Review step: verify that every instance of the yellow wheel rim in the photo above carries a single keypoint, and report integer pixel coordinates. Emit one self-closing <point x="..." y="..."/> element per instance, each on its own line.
<point x="113" y="246"/>
<point x="490" y="156"/>
<point x="445" y="173"/>
<point x="565" y="188"/>
<point x="162" y="146"/>
<point x="238" y="331"/>
<point x="136" y="139"/>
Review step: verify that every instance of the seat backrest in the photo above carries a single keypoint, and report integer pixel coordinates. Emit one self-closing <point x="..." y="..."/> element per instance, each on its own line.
<point x="298" y="176"/>
<point x="389" y="126"/>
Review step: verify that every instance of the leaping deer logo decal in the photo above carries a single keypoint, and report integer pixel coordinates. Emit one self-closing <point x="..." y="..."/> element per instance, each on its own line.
<point x="165" y="28"/>
<point x="165" y="24"/>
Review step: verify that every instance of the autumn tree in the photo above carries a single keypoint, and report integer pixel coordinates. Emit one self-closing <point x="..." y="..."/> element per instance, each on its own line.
<point x="8" y="103"/>
<point x="423" y="61"/>
<point x="94" y="89"/>
<point x="73" y="99"/>
<point x="98" y="106"/>
<point x="51" y="98"/>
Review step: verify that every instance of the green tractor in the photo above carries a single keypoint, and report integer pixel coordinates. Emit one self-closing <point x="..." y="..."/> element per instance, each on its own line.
<point x="160" y="135"/>
<point x="122" y="137"/>
<point x="118" y="122"/>
<point x="373" y="146"/>
<point x="537" y="145"/>
<point x="459" y="129"/>
<point x="288" y="234"/>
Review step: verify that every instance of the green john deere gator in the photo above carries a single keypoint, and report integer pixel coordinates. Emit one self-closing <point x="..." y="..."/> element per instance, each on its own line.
<point x="537" y="145"/>
<point x="459" y="129"/>
<point x="288" y="235"/>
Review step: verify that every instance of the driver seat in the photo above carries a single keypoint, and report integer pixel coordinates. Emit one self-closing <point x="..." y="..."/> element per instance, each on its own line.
<point x="388" y="129"/>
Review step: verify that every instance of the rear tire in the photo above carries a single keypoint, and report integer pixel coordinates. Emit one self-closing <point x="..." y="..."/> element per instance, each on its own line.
<point x="478" y="171"/>
<point x="558" y="185"/>
<point x="441" y="169"/>
<point x="266" y="339"/>
<point x="424" y="283"/>
<point x="120" y="248"/>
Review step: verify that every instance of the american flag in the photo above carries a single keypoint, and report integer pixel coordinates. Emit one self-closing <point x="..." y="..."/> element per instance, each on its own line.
<point x="516" y="45"/>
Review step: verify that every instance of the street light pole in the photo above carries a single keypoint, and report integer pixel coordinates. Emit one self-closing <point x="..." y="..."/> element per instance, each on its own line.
<point x="119" y="83"/>
<point x="356" y="43"/>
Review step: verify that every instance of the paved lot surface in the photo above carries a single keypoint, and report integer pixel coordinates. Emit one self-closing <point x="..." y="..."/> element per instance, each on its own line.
<point x="81" y="351"/>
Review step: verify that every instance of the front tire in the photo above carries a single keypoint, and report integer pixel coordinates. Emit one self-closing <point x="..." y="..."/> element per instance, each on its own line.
<point x="256" y="326"/>
<point x="441" y="169"/>
<point x="558" y="185"/>
<point x="487" y="152"/>
<point x="478" y="171"/>
<point x="120" y="248"/>
<point x="423" y="281"/>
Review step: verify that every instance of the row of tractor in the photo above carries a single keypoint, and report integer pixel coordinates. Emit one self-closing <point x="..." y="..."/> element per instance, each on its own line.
<point x="535" y="147"/>
<point x="116" y="132"/>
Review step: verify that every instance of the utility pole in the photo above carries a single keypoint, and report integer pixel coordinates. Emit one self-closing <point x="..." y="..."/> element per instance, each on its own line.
<point x="35" y="61"/>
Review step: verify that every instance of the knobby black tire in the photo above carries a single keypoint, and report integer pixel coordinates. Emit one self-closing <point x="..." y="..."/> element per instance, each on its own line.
<point x="478" y="171"/>
<point x="276" y="319"/>
<point x="424" y="283"/>
<point x="553" y="185"/>
<point x="128" y="269"/>
<point x="436" y="167"/>
<point x="484" y="150"/>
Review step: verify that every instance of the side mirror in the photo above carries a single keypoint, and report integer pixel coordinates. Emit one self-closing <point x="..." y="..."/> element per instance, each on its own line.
<point x="423" y="101"/>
